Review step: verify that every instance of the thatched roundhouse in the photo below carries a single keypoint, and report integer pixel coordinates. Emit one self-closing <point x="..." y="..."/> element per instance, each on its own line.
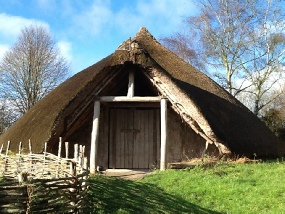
<point x="144" y="107"/>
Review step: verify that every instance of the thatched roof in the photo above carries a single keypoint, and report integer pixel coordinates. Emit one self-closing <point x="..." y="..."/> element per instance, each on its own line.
<point x="209" y="109"/>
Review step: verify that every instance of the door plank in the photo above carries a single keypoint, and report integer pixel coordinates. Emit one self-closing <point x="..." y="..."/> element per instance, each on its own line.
<point x="137" y="138"/>
<point x="155" y="133"/>
<point x="142" y="139"/>
<point x="146" y="141"/>
<point x="129" y="138"/>
<point x="120" y="139"/>
<point x="113" y="134"/>
<point x="150" y="138"/>
<point x="158" y="136"/>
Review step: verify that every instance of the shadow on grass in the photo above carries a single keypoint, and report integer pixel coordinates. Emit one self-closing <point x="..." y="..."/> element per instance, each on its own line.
<point x="113" y="195"/>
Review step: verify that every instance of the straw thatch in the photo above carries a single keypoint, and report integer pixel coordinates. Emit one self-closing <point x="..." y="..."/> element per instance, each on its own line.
<point x="206" y="107"/>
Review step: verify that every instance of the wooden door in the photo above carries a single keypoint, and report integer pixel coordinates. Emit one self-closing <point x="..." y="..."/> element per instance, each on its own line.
<point x="134" y="138"/>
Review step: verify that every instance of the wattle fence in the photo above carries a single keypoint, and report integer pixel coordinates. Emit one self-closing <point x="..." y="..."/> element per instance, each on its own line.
<point x="43" y="183"/>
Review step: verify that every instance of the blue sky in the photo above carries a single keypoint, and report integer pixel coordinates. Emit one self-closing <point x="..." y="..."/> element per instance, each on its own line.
<point x="89" y="30"/>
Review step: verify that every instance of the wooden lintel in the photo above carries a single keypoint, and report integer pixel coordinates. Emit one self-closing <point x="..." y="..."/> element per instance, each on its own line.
<point x="133" y="104"/>
<point x="129" y="99"/>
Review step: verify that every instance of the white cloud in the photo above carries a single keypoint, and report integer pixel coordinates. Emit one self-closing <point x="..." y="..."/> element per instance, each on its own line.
<point x="3" y="49"/>
<point x="11" y="26"/>
<point x="47" y="5"/>
<point x="10" y="29"/>
<point x="94" y="20"/>
<point x="65" y="50"/>
<point x="163" y="16"/>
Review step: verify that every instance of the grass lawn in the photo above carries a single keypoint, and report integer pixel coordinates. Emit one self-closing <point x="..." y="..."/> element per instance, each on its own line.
<point x="224" y="188"/>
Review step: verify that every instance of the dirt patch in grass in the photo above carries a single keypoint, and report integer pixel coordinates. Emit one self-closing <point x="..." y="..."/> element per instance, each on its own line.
<point x="207" y="162"/>
<point x="129" y="174"/>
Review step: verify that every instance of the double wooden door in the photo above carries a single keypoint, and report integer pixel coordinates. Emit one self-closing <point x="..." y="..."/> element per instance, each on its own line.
<point x="134" y="141"/>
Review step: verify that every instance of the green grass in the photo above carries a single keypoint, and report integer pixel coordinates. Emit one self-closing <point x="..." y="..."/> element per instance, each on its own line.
<point x="224" y="188"/>
<point x="113" y="195"/>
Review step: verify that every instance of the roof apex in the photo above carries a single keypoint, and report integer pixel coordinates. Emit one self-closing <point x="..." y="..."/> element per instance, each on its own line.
<point x="144" y="32"/>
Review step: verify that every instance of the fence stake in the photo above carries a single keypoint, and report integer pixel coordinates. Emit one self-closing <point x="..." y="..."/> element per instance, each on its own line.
<point x="30" y="146"/>
<point x="7" y="149"/>
<point x="58" y="157"/>
<point x="83" y="151"/>
<point x="31" y="157"/>
<point x="45" y="151"/>
<point x="1" y="148"/>
<point x="19" y="159"/>
<point x="83" y="156"/>
<point x="76" y="152"/>
<point x="85" y="163"/>
<point x="59" y="147"/>
<point x="6" y="156"/>
<point x="66" y="149"/>
<point x="80" y="155"/>
<point x="20" y="148"/>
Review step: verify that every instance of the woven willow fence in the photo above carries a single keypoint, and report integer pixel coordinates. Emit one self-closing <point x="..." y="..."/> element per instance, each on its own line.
<point x="43" y="183"/>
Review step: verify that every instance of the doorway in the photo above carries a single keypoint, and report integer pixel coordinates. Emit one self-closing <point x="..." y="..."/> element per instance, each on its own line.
<point x="134" y="141"/>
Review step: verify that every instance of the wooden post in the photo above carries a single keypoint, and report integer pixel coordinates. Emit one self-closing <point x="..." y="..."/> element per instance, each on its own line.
<point x="58" y="157"/>
<point x="20" y="148"/>
<point x="76" y="152"/>
<point x="75" y="162"/>
<point x="7" y="149"/>
<point x="45" y="148"/>
<point x="31" y="157"/>
<point x="80" y="155"/>
<point x="66" y="150"/>
<point x="83" y="157"/>
<point x="83" y="151"/>
<point x="163" y="109"/>
<point x="85" y="163"/>
<point x="94" y="137"/>
<point x="1" y="148"/>
<point x="59" y="147"/>
<point x="30" y="146"/>
<point x="72" y="168"/>
<point x="45" y="153"/>
<point x="19" y="166"/>
<point x="6" y="157"/>
<point x="131" y="86"/>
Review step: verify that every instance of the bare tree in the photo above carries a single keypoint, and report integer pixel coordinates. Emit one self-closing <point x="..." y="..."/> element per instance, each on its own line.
<point x="7" y="117"/>
<point x="31" y="69"/>
<point x="241" y="44"/>
<point x="220" y="37"/>
<point x="182" y="44"/>
<point x="267" y="51"/>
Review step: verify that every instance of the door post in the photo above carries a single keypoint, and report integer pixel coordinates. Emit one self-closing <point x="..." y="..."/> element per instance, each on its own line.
<point x="94" y="137"/>
<point x="163" y="110"/>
